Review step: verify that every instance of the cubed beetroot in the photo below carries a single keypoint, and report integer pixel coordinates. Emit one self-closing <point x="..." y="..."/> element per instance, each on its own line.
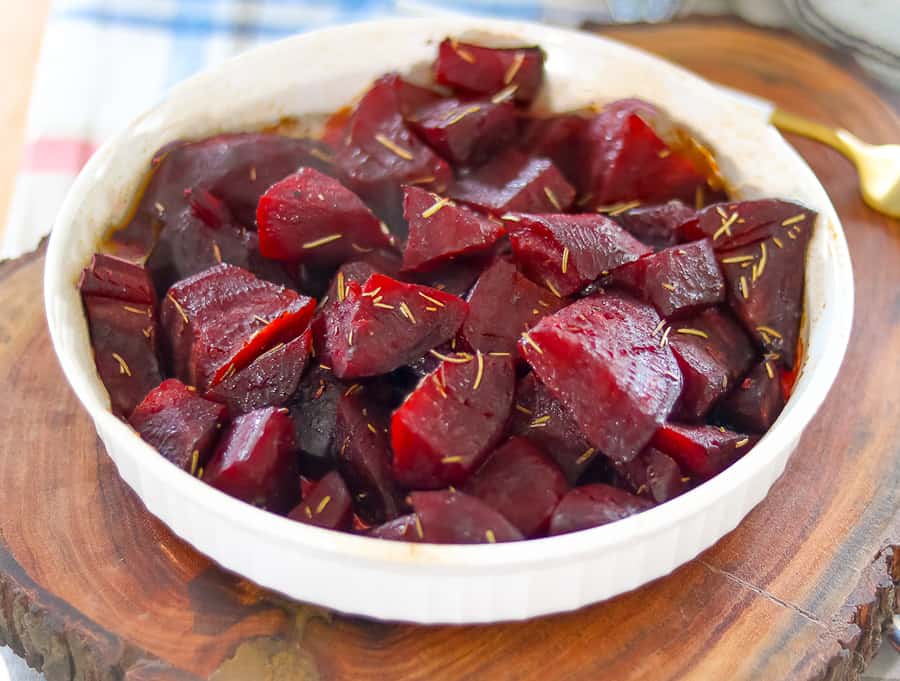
<point x="452" y="517"/>
<point x="481" y="70"/>
<point x="313" y="409"/>
<point x="655" y="475"/>
<point x="601" y="359"/>
<point x="540" y="417"/>
<point x="219" y="320"/>
<point x="465" y="131"/>
<point x="656" y="225"/>
<point x="512" y="181"/>
<point x="755" y="403"/>
<point x="676" y="280"/>
<point x="439" y="230"/>
<point x="110" y="277"/>
<point x="313" y="218"/>
<point x="385" y="324"/>
<point x="364" y="456"/>
<point x="502" y="306"/>
<point x="452" y="420"/>
<point x="594" y="505"/>
<point x="713" y="352"/>
<point x="268" y="381"/>
<point x="255" y="459"/>
<point x="455" y="277"/>
<point x="404" y="528"/>
<point x="739" y="223"/>
<point x="521" y="483"/>
<point x="703" y="451"/>
<point x="179" y="423"/>
<point x="327" y="504"/>
<point x="567" y="252"/>
<point x="557" y="138"/>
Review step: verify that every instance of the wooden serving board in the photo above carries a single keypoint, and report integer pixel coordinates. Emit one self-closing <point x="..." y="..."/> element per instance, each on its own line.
<point x="93" y="587"/>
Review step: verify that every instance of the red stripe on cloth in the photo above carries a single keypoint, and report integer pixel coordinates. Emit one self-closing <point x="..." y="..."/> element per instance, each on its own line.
<point x="57" y="155"/>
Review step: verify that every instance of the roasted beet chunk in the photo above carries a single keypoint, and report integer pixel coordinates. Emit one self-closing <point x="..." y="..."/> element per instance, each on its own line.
<point x="312" y="218"/>
<point x="439" y="230"/>
<point x="704" y="451"/>
<point x="314" y="411"/>
<point x="450" y="517"/>
<point x="405" y="528"/>
<point x="625" y="160"/>
<point x="120" y="307"/>
<point x="521" y="483"/>
<point x="452" y="420"/>
<point x="486" y="70"/>
<point x="364" y="456"/>
<point x="557" y="138"/>
<point x="656" y="225"/>
<point x="219" y="320"/>
<point x="255" y="459"/>
<point x="540" y="417"/>
<point x="755" y="402"/>
<point x="512" y="181"/>
<point x="739" y="223"/>
<point x="386" y="324"/>
<point x="502" y="306"/>
<point x="327" y="504"/>
<point x="456" y="277"/>
<point x="593" y="505"/>
<point x="466" y="131"/>
<point x="268" y="381"/>
<point x="179" y="423"/>
<point x="601" y="359"/>
<point x="567" y="252"/>
<point x="676" y="280"/>
<point x="655" y="475"/>
<point x="713" y="352"/>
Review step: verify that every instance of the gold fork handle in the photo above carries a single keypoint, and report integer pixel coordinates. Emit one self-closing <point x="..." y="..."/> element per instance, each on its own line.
<point x="836" y="139"/>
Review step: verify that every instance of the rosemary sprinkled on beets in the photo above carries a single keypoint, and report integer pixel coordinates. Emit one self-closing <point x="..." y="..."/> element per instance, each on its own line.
<point x="123" y="365"/>
<point x="392" y="146"/>
<point x="692" y="332"/>
<point x="323" y="241"/>
<point x="513" y="68"/>
<point x="479" y="374"/>
<point x="435" y="207"/>
<point x="551" y="197"/>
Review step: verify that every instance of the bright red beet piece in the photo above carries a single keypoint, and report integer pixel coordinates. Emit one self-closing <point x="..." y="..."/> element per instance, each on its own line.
<point x="657" y="225"/>
<point x="676" y="280"/>
<point x="540" y="417"/>
<point x="739" y="223"/>
<point x="219" y="320"/>
<point x="255" y="459"/>
<point x="567" y="252"/>
<point x="594" y="505"/>
<point x="452" y="517"/>
<point x="268" y="381"/>
<point x="655" y="475"/>
<point x="179" y="423"/>
<point x="439" y="230"/>
<point x="399" y="529"/>
<point x="521" y="483"/>
<point x="364" y="457"/>
<point x="557" y="138"/>
<point x="755" y="403"/>
<point x="487" y="70"/>
<point x="601" y="358"/>
<point x="311" y="217"/>
<point x="452" y="420"/>
<point x="512" y="181"/>
<point x="704" y="451"/>
<point x="713" y="352"/>
<point x="327" y="504"/>
<point x="385" y="324"/>
<point x="118" y="279"/>
<point x="465" y="132"/>
<point x="502" y="306"/>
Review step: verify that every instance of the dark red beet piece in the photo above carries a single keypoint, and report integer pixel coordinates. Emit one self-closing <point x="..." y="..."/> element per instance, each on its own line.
<point x="676" y="280"/>
<point x="713" y="352"/>
<point x="452" y="517"/>
<point x="487" y="70"/>
<point x="567" y="252"/>
<point x="521" y="483"/>
<point x="601" y="359"/>
<point x="657" y="225"/>
<point x="512" y="181"/>
<point x="118" y="279"/>
<point x="655" y="475"/>
<point x="704" y="451"/>
<point x="439" y="230"/>
<point x="594" y="505"/>
<point x="502" y="306"/>
<point x="314" y="411"/>
<point x="179" y="423"/>
<point x="313" y="218"/>
<point x="386" y="324"/>
<point x="452" y="420"/>
<point x="557" y="138"/>
<point x="755" y="403"/>
<point x="465" y="132"/>
<point x="404" y="528"/>
<point x="219" y="320"/>
<point x="255" y="459"/>
<point x="739" y="223"/>
<point x="326" y="505"/>
<point x="540" y="417"/>
<point x="364" y="457"/>
<point x="268" y="381"/>
<point x="456" y="277"/>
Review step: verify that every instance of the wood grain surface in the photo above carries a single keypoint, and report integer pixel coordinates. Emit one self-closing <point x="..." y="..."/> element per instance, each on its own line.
<point x="93" y="587"/>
